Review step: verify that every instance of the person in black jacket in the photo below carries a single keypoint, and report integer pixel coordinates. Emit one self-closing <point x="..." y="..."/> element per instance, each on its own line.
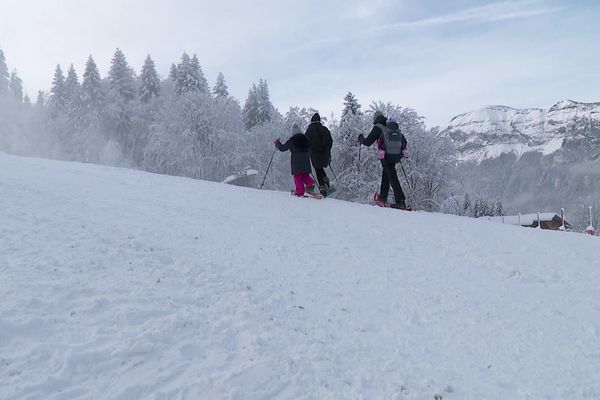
<point x="320" y="146"/>
<point x="388" y="162"/>
<point x="299" y="146"/>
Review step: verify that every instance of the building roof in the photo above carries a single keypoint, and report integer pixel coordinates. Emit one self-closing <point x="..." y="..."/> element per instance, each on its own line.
<point x="526" y="219"/>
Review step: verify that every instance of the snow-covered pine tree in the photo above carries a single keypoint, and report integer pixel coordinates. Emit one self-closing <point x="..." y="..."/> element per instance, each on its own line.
<point x="3" y="74"/>
<point x="88" y="139"/>
<point x="467" y="205"/>
<point x="40" y="100"/>
<point x="173" y="73"/>
<point x="351" y="105"/>
<point x="91" y="87"/>
<point x="16" y="87"/>
<point x="182" y="83"/>
<point x="72" y="91"/>
<point x="58" y="98"/>
<point x="265" y="107"/>
<point x="121" y="77"/>
<point x="498" y="209"/>
<point x="346" y="149"/>
<point x="149" y="81"/>
<point x="198" y="81"/>
<point x="221" y="90"/>
<point x="250" y="109"/>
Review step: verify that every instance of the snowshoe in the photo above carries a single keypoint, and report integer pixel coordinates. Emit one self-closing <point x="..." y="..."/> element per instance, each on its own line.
<point x="381" y="203"/>
<point x="310" y="191"/>
<point x="307" y="194"/>
<point x="402" y="207"/>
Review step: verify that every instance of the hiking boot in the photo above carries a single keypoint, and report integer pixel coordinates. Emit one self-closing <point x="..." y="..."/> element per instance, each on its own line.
<point x="323" y="189"/>
<point x="401" y="205"/>
<point x="378" y="198"/>
<point x="310" y="188"/>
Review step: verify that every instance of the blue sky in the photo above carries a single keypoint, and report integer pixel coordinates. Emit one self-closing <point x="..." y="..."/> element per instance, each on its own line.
<point x="438" y="57"/>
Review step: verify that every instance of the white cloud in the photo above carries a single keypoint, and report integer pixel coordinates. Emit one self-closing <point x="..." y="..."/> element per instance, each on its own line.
<point x="492" y="12"/>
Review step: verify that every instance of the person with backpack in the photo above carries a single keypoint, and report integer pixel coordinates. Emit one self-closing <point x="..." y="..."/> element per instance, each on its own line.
<point x="321" y="143"/>
<point x="299" y="146"/>
<point x="391" y="148"/>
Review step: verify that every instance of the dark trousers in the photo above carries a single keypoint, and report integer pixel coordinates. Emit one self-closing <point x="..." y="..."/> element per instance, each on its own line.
<point x="321" y="176"/>
<point x="390" y="177"/>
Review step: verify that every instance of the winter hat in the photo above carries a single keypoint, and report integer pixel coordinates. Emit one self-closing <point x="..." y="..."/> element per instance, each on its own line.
<point x="296" y="129"/>
<point x="393" y="124"/>
<point x="316" y="118"/>
<point x="377" y="115"/>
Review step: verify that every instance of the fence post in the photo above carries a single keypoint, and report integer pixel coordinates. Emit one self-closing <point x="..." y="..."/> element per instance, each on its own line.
<point x="562" y="220"/>
<point x="590" y="229"/>
<point x="539" y="220"/>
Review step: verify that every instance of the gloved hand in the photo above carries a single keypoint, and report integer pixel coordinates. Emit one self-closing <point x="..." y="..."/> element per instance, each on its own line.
<point x="405" y="153"/>
<point x="277" y="141"/>
<point x="361" y="138"/>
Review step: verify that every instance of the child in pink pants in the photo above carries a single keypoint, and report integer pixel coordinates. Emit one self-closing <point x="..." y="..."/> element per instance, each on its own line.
<point x="299" y="146"/>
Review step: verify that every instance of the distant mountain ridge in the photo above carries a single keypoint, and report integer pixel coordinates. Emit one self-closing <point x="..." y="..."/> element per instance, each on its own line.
<point x="567" y="126"/>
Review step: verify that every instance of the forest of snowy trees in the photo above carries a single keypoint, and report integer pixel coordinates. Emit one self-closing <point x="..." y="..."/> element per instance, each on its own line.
<point x="181" y="125"/>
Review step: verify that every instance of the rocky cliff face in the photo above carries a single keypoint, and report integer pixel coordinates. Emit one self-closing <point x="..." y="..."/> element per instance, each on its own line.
<point x="568" y="128"/>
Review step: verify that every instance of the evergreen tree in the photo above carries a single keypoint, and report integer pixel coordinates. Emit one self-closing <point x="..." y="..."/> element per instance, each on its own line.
<point x="58" y="98"/>
<point x="121" y="77"/>
<point x="91" y="87"/>
<point x="221" y="90"/>
<point x="467" y="205"/>
<point x="173" y="73"/>
<point x="40" y="101"/>
<point x="27" y="100"/>
<point x="250" y="109"/>
<point x="190" y="77"/>
<point x="16" y="87"/>
<point x="499" y="210"/>
<point x="351" y="105"/>
<point x="351" y="125"/>
<point x="199" y="82"/>
<point x="72" y="89"/>
<point x="183" y="72"/>
<point x="3" y="74"/>
<point x="149" y="81"/>
<point x="265" y="109"/>
<point x="258" y="108"/>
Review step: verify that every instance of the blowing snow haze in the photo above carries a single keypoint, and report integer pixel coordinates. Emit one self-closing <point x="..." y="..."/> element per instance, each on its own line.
<point x="154" y="244"/>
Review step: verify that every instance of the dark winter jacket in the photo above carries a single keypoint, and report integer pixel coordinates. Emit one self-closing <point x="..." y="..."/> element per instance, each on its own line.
<point x="300" y="148"/>
<point x="376" y="135"/>
<point x="320" y="143"/>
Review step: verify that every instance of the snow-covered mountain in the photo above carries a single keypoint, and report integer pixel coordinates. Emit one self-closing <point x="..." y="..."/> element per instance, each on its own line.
<point x="490" y="131"/>
<point x="119" y="284"/>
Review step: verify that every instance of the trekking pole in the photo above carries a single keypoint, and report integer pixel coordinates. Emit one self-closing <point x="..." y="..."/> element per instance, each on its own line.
<point x="333" y="173"/>
<point x="412" y="190"/>
<point x="268" y="167"/>
<point x="358" y="175"/>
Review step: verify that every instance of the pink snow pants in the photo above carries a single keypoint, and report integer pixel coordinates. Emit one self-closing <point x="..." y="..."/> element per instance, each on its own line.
<point x="302" y="180"/>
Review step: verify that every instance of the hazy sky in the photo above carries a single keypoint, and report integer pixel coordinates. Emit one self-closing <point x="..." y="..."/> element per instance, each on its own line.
<point x="438" y="57"/>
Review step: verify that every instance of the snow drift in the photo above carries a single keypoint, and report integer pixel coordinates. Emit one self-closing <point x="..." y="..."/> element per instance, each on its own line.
<point x="118" y="284"/>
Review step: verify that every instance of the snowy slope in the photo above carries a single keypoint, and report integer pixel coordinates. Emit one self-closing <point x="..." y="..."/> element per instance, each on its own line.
<point x="490" y="131"/>
<point x="118" y="284"/>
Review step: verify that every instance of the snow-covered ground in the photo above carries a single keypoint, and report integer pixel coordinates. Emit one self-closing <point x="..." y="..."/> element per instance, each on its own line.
<point x="118" y="284"/>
